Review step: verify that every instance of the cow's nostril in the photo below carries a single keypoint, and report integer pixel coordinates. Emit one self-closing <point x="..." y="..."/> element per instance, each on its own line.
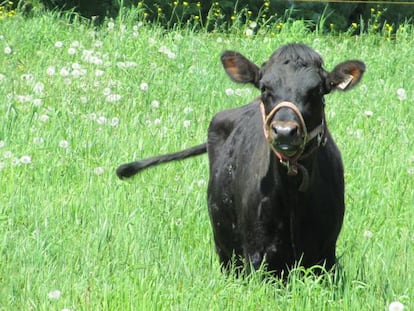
<point x="286" y="131"/>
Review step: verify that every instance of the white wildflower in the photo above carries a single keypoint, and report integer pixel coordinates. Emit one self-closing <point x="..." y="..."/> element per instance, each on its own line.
<point x="51" y="70"/>
<point x="101" y="120"/>
<point x="106" y="91"/>
<point x="44" y="118"/>
<point x="229" y="92"/>
<point x="155" y="104"/>
<point x="98" y="170"/>
<point x="111" y="98"/>
<point x="7" y="50"/>
<point x="186" y="123"/>
<point x="157" y="121"/>
<point x="368" y="113"/>
<point x="38" y="141"/>
<point x="367" y="234"/>
<point x="2" y="143"/>
<point x="58" y="44"/>
<point x="249" y="32"/>
<point x="25" y="159"/>
<point x="144" y="86"/>
<point x="71" y="51"/>
<point x="54" y="294"/>
<point x="402" y="94"/>
<point x="64" y="144"/>
<point x="114" y="121"/>
<point x="99" y="73"/>
<point x="38" y="88"/>
<point x="396" y="306"/>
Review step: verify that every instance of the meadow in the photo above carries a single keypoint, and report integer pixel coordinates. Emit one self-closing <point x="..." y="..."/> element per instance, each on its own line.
<point x="77" y="101"/>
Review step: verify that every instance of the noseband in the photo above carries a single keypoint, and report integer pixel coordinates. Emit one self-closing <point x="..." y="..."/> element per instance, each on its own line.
<point x="291" y="163"/>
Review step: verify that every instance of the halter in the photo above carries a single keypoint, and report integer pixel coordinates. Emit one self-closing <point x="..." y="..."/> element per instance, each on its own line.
<point x="291" y="163"/>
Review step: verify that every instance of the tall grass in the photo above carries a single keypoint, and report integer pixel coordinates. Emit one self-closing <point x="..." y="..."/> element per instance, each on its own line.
<point x="78" y="101"/>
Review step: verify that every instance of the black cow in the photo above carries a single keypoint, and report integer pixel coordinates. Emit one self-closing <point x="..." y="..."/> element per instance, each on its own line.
<point x="276" y="188"/>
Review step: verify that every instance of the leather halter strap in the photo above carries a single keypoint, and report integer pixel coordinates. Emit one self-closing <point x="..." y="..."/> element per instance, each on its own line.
<point x="291" y="163"/>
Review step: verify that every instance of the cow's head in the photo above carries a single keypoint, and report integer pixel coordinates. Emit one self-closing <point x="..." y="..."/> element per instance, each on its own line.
<point x="293" y="84"/>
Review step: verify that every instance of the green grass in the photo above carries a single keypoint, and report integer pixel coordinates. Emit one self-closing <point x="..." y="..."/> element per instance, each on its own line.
<point x="67" y="223"/>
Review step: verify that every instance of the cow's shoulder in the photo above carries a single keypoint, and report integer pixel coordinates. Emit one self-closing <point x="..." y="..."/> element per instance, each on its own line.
<point x="228" y="123"/>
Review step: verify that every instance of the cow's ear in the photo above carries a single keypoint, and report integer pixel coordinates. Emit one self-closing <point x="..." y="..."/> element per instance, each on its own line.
<point x="345" y="75"/>
<point x="239" y="68"/>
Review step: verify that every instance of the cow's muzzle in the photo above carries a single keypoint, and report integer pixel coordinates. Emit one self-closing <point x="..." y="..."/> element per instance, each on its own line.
<point x="288" y="139"/>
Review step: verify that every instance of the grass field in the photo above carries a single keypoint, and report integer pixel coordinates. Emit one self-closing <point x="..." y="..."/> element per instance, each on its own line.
<point x="76" y="102"/>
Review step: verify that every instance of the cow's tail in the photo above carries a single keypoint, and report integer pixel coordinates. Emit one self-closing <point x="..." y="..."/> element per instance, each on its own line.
<point x="130" y="169"/>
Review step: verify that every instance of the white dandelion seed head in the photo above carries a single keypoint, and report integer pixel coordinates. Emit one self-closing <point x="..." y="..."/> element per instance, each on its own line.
<point x="51" y="70"/>
<point x="368" y="113"/>
<point x="44" y="118"/>
<point x="155" y="104"/>
<point x="157" y="121"/>
<point x="38" y="140"/>
<point x="54" y="294"/>
<point x="99" y="73"/>
<point x="171" y="55"/>
<point x="101" y="120"/>
<point x="229" y="92"/>
<point x="186" y="123"/>
<point x="15" y="161"/>
<point x="111" y="98"/>
<point x="249" y="32"/>
<point x="2" y="143"/>
<point x="25" y="159"/>
<point x="38" y="88"/>
<point x="98" y="44"/>
<point x="7" y="154"/>
<point x="98" y="171"/>
<point x="58" y="44"/>
<point x="402" y="94"/>
<point x="71" y="51"/>
<point x="106" y="91"/>
<point x="253" y="25"/>
<point x="396" y="306"/>
<point x="64" y="72"/>
<point x="83" y="99"/>
<point x="64" y="144"/>
<point x="111" y="25"/>
<point x="114" y="121"/>
<point x="76" y="66"/>
<point x="75" y="44"/>
<point x="8" y="50"/>
<point x="144" y="86"/>
<point x="201" y="183"/>
<point x="37" y="102"/>
<point x="367" y="234"/>
<point x="188" y="110"/>
<point x="27" y="77"/>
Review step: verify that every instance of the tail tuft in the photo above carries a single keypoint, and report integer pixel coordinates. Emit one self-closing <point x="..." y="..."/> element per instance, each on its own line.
<point x="128" y="170"/>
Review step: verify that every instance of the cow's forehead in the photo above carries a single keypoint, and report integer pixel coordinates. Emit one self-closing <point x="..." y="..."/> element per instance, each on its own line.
<point x="280" y="75"/>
